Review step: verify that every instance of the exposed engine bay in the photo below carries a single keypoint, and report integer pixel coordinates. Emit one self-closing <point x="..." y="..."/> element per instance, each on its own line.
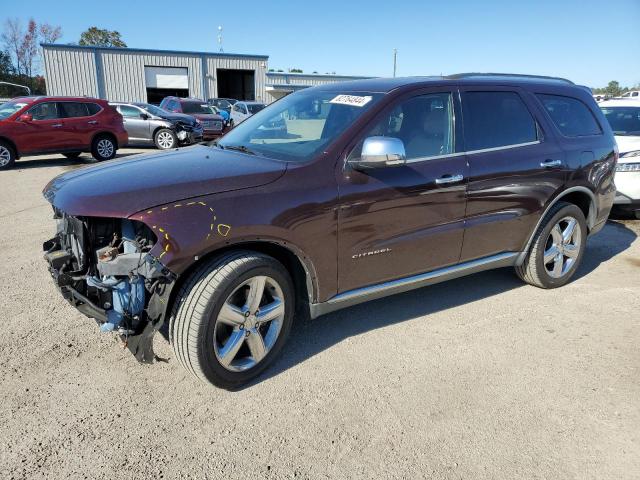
<point x="103" y="268"/>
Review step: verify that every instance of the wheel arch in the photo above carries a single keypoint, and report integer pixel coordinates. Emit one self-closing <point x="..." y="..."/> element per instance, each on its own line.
<point x="12" y="144"/>
<point x="299" y="267"/>
<point x="105" y="133"/>
<point x="580" y="196"/>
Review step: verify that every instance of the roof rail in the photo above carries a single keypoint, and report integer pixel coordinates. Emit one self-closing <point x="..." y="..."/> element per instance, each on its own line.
<point x="516" y="75"/>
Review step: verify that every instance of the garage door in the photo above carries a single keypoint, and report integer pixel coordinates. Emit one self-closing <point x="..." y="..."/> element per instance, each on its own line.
<point x="166" y="77"/>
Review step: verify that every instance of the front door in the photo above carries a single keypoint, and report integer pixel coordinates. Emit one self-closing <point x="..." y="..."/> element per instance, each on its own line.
<point x="136" y="126"/>
<point x="515" y="166"/>
<point x="397" y="221"/>
<point x="45" y="130"/>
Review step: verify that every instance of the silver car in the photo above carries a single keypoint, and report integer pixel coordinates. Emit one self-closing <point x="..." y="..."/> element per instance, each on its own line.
<point x="147" y="124"/>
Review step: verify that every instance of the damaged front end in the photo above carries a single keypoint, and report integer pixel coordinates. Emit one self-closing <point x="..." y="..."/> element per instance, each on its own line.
<point x="104" y="268"/>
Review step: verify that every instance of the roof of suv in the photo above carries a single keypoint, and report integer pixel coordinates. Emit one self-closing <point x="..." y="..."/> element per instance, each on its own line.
<point x="37" y="98"/>
<point x="385" y="85"/>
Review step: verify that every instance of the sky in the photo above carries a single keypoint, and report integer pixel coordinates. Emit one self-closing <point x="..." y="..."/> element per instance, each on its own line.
<point x="589" y="42"/>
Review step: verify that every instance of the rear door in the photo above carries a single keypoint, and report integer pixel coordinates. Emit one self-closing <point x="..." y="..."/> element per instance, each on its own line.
<point x="399" y="221"/>
<point x="77" y="125"/>
<point x="515" y="166"/>
<point x="138" y="128"/>
<point x="45" y="131"/>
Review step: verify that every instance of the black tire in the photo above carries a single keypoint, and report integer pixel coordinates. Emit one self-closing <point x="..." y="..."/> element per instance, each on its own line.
<point x="72" y="155"/>
<point x="192" y="331"/>
<point x="103" y="148"/>
<point x="533" y="270"/>
<point x="7" y="156"/>
<point x="162" y="136"/>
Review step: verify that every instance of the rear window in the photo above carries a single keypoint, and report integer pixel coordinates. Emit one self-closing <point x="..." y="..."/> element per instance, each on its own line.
<point x="93" y="108"/>
<point x="572" y="117"/>
<point x="496" y="119"/>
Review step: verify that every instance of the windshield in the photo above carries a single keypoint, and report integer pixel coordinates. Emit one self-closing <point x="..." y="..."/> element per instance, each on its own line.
<point x="254" y="107"/>
<point x="300" y="125"/>
<point x="623" y="120"/>
<point x="153" y="110"/>
<point x="193" y="107"/>
<point x="9" y="108"/>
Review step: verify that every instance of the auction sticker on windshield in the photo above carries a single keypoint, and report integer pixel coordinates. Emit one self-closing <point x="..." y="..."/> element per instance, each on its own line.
<point x="352" y="100"/>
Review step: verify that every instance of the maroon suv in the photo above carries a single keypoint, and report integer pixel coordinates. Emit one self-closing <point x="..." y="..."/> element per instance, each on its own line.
<point x="213" y="125"/>
<point x="376" y="187"/>
<point x="67" y="125"/>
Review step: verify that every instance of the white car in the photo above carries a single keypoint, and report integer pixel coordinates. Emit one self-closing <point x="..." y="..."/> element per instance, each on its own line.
<point x="634" y="94"/>
<point x="624" y="118"/>
<point x="243" y="110"/>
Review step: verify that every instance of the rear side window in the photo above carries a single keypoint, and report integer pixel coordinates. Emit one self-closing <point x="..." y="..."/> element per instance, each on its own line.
<point x="572" y="117"/>
<point x="93" y="108"/>
<point x="496" y="119"/>
<point x="75" y="109"/>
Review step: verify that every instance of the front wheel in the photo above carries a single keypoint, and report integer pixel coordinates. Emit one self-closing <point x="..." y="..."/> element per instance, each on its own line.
<point x="103" y="148"/>
<point x="165" y="139"/>
<point x="557" y="248"/>
<point x="232" y="318"/>
<point x="7" y="156"/>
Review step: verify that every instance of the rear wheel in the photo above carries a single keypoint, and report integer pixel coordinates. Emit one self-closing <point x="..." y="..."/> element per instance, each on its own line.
<point x="165" y="139"/>
<point x="103" y="148"/>
<point x="232" y="318"/>
<point x="557" y="248"/>
<point x="7" y="155"/>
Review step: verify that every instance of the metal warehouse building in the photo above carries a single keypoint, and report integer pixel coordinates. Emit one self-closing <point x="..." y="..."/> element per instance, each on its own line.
<point x="141" y="75"/>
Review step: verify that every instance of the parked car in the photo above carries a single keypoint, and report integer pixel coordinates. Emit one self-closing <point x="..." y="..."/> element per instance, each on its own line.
<point x="147" y="124"/>
<point x="631" y="94"/>
<point x="222" y="103"/>
<point x="213" y="124"/>
<point x="385" y="186"/>
<point x="624" y="118"/>
<point x="243" y="110"/>
<point x="66" y="125"/>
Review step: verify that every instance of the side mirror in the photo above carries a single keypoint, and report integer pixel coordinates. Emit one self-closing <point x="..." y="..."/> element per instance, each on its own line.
<point x="144" y="116"/>
<point x="25" y="117"/>
<point x="380" y="152"/>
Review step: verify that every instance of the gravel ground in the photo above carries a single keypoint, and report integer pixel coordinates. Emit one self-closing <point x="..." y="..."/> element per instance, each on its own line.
<point x="480" y="377"/>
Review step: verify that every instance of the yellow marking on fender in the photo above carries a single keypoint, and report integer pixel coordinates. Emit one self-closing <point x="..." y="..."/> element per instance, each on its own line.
<point x="166" y="236"/>
<point x="177" y="205"/>
<point x="165" y="208"/>
<point x="191" y="203"/>
<point x="149" y="211"/>
<point x="224" y="229"/>
<point x="161" y="229"/>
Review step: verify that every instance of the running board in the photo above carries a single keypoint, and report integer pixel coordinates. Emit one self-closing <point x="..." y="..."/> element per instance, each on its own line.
<point x="364" y="294"/>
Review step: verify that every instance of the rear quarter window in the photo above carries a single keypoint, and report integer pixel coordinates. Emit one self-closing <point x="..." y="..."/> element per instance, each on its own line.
<point x="571" y="116"/>
<point x="93" y="108"/>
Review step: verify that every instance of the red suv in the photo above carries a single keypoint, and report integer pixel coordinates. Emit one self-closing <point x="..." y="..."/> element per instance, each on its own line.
<point x="67" y="125"/>
<point x="212" y="123"/>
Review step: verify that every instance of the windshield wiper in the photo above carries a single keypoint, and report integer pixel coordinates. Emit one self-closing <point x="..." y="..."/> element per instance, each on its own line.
<point x="239" y="148"/>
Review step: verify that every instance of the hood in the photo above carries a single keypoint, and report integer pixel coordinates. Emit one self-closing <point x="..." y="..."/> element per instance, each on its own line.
<point x="178" y="117"/>
<point x="627" y="143"/>
<point x="122" y="187"/>
<point x="207" y="116"/>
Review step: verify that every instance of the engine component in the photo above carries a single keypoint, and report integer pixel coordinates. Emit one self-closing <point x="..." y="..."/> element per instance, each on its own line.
<point x="128" y="298"/>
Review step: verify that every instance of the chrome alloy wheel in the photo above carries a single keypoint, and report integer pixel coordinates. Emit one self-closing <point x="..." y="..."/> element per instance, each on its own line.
<point x="105" y="148"/>
<point x="562" y="247"/>
<point x="5" y="156"/>
<point x="165" y="140"/>
<point x="249" y="323"/>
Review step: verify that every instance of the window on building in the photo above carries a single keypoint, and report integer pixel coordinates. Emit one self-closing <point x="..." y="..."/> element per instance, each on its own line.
<point x="572" y="117"/>
<point x="496" y="119"/>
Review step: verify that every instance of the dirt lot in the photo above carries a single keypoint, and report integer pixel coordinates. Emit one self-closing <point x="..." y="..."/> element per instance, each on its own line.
<point x="476" y="378"/>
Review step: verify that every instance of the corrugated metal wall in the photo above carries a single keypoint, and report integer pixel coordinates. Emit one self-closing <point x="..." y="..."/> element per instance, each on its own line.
<point x="70" y="71"/>
<point x="257" y="64"/>
<point x="278" y="78"/>
<point x="118" y="74"/>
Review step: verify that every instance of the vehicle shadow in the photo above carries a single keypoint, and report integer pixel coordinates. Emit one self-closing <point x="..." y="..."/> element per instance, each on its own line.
<point x="60" y="161"/>
<point x="308" y="338"/>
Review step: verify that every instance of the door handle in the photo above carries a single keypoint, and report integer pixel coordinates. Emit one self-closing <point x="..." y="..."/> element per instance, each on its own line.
<point x="56" y="125"/>
<point x="551" y="163"/>
<point x="93" y="122"/>
<point x="449" y="179"/>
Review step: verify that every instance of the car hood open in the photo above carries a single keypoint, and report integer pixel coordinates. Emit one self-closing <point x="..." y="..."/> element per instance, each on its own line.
<point x="122" y="187"/>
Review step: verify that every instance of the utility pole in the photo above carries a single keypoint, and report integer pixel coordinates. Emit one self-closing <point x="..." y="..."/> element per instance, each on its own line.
<point x="220" y="38"/>
<point x="395" y="60"/>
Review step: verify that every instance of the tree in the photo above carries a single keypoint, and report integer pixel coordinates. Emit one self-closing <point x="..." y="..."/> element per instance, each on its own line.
<point x="295" y="70"/>
<point x="101" y="38"/>
<point x="6" y="66"/>
<point x="29" y="47"/>
<point x="50" y="33"/>
<point x="613" y="88"/>
<point x="12" y="40"/>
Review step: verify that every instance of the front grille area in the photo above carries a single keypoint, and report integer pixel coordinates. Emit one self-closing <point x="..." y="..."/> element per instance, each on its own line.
<point x="212" y="124"/>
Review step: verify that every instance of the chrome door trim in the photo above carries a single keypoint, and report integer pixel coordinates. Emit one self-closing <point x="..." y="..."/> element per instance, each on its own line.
<point x="471" y="152"/>
<point x="364" y="294"/>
